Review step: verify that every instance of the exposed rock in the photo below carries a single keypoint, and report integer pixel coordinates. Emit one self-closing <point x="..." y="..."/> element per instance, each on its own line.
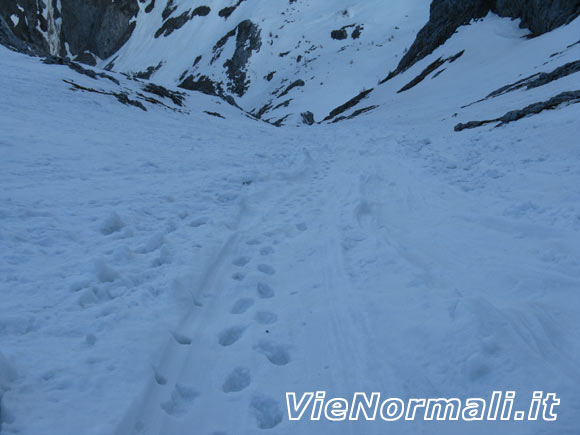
<point x="122" y="97"/>
<point x="307" y="118"/>
<point x="247" y="40"/>
<point x="97" y="26"/>
<point x="176" y="97"/>
<point x="216" y="114"/>
<point x="534" y="81"/>
<point x="357" y="32"/>
<point x="349" y="104"/>
<point x="342" y="33"/>
<point x="283" y="104"/>
<point x="432" y="67"/>
<point x="540" y="16"/>
<point x="354" y="114"/>
<point x="86" y="58"/>
<point x="207" y="86"/>
<point x="95" y="75"/>
<point x="148" y="72"/>
<point x="219" y="46"/>
<point x="540" y="79"/>
<point x="263" y="110"/>
<point x="27" y="30"/>
<point x="280" y="122"/>
<point x="88" y="27"/>
<point x="297" y="83"/>
<point x="227" y="11"/>
<point x="339" y="34"/>
<point x="150" y="7"/>
<point x="571" y="97"/>
<point x="201" y="11"/>
<point x="8" y="39"/>
<point x="168" y="10"/>
<point x="173" y="24"/>
<point x="201" y="84"/>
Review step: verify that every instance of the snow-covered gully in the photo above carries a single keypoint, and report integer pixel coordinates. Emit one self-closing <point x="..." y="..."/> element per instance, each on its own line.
<point x="169" y="264"/>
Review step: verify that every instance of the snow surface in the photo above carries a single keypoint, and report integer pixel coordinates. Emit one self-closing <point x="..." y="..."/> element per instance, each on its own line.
<point x="333" y="70"/>
<point x="173" y="272"/>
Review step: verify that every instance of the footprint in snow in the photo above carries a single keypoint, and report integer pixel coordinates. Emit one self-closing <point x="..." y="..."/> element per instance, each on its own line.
<point x="159" y="378"/>
<point x="266" y="269"/>
<point x="302" y="227"/>
<point x="276" y="353"/>
<point x="242" y="305"/>
<point x="267" y="250"/>
<point x="267" y="411"/>
<point x="238" y="276"/>
<point x="237" y="380"/>
<point x="230" y="335"/>
<point x="181" y="339"/>
<point x="264" y="290"/>
<point x="265" y="318"/>
<point x="180" y="401"/>
<point x="241" y="261"/>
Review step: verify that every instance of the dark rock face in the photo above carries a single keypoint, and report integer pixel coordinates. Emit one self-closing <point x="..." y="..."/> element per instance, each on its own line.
<point x="339" y="34"/>
<point x="227" y="11"/>
<point x="572" y="97"/>
<point x="540" y="16"/>
<point x="297" y="83"/>
<point x="97" y="26"/>
<point x="172" y="24"/>
<point x="247" y="40"/>
<point x="8" y="39"/>
<point x="176" y="97"/>
<point x="24" y="35"/>
<point x="202" y="84"/>
<point x="539" y="79"/>
<point x="307" y="118"/>
<point x="349" y="104"/>
<point x="89" y="27"/>
<point x="431" y="68"/>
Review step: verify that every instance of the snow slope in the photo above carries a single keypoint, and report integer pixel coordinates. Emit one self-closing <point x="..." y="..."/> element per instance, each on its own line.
<point x="169" y="271"/>
<point x="295" y="44"/>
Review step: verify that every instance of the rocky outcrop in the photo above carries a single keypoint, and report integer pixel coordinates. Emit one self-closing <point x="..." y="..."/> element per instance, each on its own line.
<point x="430" y="69"/>
<point x="348" y="105"/>
<point x="23" y="26"/>
<point x="8" y="39"/>
<point x="97" y="26"/>
<point x="571" y="97"/>
<point x="89" y="27"/>
<point x="539" y="16"/>
<point x="247" y="41"/>
<point x="534" y="81"/>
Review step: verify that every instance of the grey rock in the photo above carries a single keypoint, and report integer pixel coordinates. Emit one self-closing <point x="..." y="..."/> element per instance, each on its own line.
<point x="89" y="27"/>
<point x="247" y="41"/>
<point x="570" y="97"/>
<point x="307" y="118"/>
<point x="295" y="84"/>
<point x="349" y="104"/>
<point x="540" y="16"/>
<point x="97" y="26"/>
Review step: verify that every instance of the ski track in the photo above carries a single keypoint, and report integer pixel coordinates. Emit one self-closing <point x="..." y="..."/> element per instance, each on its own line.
<point x="357" y="308"/>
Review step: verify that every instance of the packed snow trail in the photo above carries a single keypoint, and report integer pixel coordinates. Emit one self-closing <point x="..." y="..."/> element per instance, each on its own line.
<point x="361" y="272"/>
